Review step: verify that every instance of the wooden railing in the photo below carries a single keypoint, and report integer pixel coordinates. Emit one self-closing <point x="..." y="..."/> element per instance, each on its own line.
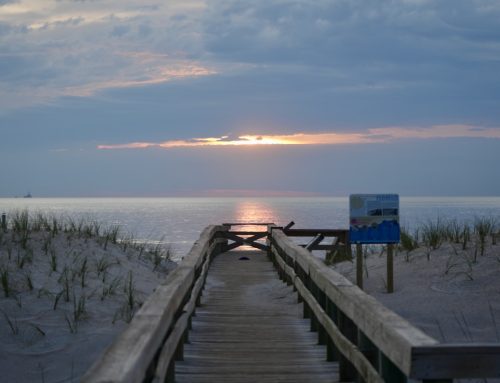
<point x="370" y="342"/>
<point x="148" y="348"/>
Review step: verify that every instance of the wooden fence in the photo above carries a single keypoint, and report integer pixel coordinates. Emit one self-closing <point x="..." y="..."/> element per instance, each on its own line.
<point x="370" y="342"/>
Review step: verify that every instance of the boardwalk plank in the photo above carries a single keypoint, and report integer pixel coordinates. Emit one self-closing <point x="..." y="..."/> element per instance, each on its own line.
<point x="249" y="329"/>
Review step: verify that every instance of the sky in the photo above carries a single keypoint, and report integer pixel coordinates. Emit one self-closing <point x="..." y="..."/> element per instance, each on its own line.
<point x="251" y="98"/>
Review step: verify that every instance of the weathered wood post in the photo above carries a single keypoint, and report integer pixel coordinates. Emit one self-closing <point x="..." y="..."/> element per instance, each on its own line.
<point x="359" y="265"/>
<point x="313" y="320"/>
<point x="332" y="353"/>
<point x="4" y="222"/>
<point x="390" y="372"/>
<point x="368" y="348"/>
<point x="390" y="268"/>
<point x="322" y="335"/>
<point x="347" y="372"/>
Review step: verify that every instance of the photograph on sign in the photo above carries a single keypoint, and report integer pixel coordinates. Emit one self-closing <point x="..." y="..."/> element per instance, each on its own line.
<point x="374" y="218"/>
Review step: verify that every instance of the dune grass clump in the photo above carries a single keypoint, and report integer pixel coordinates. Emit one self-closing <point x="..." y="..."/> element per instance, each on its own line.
<point x="20" y="221"/>
<point x="83" y="271"/>
<point x="130" y="291"/>
<point x="79" y="313"/>
<point x="458" y="233"/>
<point x="73" y="226"/>
<point x="158" y="254"/>
<point x="102" y="265"/>
<point x="127" y="310"/>
<point x="40" y="222"/>
<point x="20" y="259"/>
<point x="465" y="236"/>
<point x="46" y="244"/>
<point x="65" y="281"/>
<point x="483" y="227"/>
<point x="433" y="235"/>
<point x="110" y="288"/>
<point x="109" y="235"/>
<point x="459" y="260"/>
<point x="408" y="242"/>
<point x="53" y="260"/>
<point x="5" y="281"/>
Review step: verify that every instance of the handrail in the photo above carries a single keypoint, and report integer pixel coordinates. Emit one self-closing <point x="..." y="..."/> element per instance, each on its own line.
<point x="145" y="350"/>
<point x="370" y="341"/>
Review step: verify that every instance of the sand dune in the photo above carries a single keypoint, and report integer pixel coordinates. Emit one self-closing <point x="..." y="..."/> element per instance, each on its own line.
<point x="64" y="297"/>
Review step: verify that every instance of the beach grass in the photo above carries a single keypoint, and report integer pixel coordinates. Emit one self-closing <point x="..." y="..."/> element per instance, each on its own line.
<point x="70" y="262"/>
<point x="483" y="228"/>
<point x="64" y="279"/>
<point x="4" y="278"/>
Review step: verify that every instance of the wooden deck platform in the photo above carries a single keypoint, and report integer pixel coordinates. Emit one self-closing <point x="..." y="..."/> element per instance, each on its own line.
<point x="249" y="328"/>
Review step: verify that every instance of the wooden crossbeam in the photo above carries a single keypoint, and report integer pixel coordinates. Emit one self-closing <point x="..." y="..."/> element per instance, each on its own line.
<point x="315" y="241"/>
<point x="250" y="241"/>
<point x="289" y="226"/>
<point x="314" y="232"/>
<point x="249" y="232"/>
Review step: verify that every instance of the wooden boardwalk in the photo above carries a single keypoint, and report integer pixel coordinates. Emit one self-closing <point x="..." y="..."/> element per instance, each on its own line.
<point x="218" y="318"/>
<point x="249" y="328"/>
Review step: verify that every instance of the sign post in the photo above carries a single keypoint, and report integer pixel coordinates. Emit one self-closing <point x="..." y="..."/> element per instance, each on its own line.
<point x="374" y="219"/>
<point x="359" y="265"/>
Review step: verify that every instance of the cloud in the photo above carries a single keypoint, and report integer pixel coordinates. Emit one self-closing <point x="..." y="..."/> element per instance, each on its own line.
<point x="375" y="135"/>
<point x="324" y="63"/>
<point x="81" y="44"/>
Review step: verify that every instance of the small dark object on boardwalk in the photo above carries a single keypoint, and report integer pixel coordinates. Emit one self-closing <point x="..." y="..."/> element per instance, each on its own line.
<point x="243" y="258"/>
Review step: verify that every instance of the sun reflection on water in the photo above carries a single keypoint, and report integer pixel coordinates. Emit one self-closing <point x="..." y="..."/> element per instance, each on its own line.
<point x="254" y="211"/>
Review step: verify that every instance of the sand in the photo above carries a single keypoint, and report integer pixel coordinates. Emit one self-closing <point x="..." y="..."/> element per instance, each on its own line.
<point x="448" y="295"/>
<point x="53" y="327"/>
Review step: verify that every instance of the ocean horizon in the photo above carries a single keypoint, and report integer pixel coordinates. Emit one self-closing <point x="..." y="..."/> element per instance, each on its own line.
<point x="178" y="221"/>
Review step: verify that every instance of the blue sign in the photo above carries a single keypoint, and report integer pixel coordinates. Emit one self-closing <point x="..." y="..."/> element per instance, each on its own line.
<point x="374" y="218"/>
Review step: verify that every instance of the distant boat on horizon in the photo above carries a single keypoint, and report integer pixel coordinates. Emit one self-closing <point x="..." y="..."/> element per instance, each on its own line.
<point x="28" y="195"/>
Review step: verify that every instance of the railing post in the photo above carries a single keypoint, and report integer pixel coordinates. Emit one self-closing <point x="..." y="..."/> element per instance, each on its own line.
<point x="221" y="247"/>
<point x="179" y="351"/>
<point x="332" y="354"/>
<point x="170" y="377"/>
<point x="198" y="300"/>
<point x="312" y="288"/>
<point x="347" y="372"/>
<point x="322" y="335"/>
<point x="369" y="350"/>
<point x="4" y="222"/>
<point x="306" y="311"/>
<point x="389" y="371"/>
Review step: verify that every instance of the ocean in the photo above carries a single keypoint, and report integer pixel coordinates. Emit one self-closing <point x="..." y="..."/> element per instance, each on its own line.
<point x="179" y="221"/>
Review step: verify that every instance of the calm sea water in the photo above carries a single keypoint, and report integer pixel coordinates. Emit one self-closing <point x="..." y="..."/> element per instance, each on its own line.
<point x="179" y="221"/>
